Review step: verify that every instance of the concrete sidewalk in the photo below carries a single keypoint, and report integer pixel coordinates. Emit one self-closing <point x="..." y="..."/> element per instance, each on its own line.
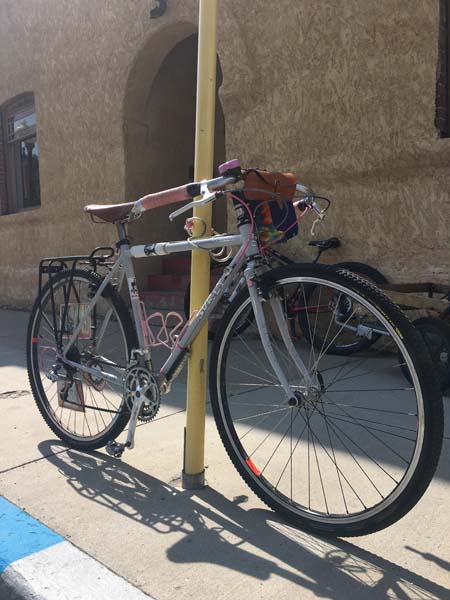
<point x="132" y="516"/>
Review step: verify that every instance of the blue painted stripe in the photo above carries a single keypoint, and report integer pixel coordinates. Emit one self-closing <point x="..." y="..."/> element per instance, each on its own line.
<point x="21" y="535"/>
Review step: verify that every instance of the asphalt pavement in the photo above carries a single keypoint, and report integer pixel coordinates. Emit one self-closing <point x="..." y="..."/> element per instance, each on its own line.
<point x="132" y="517"/>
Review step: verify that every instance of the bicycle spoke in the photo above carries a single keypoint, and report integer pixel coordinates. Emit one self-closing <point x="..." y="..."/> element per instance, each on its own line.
<point x="71" y="298"/>
<point x="353" y="419"/>
<point x="359" y="407"/>
<point x="277" y="446"/>
<point x="245" y="357"/>
<point x="336" y="429"/>
<point x="340" y="471"/>
<point x="320" y="474"/>
<point x="268" y="435"/>
<point x="354" y="364"/>
<point x="371" y="372"/>
<point x="335" y="462"/>
<point x="239" y="370"/>
<point x="339" y="418"/>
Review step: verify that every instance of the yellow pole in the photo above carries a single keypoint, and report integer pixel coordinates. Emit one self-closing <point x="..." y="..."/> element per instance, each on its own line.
<point x="194" y="449"/>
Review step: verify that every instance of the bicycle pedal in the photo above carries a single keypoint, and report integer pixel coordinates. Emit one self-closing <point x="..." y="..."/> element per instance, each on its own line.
<point x="115" y="449"/>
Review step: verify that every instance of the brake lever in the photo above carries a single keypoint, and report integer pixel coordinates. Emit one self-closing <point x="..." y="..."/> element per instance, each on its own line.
<point x="180" y="211"/>
<point x="207" y="197"/>
<point x="320" y="216"/>
<point x="319" y="219"/>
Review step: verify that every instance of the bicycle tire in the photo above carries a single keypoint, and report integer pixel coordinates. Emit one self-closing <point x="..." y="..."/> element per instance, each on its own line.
<point x="436" y="334"/>
<point x="428" y="423"/>
<point x="49" y="414"/>
<point x="364" y="271"/>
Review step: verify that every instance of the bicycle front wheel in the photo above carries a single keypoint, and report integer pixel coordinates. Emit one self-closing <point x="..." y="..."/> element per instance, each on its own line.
<point x="360" y="446"/>
<point x="85" y="409"/>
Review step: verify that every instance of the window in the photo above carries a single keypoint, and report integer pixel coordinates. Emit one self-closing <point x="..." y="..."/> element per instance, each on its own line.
<point x="20" y="154"/>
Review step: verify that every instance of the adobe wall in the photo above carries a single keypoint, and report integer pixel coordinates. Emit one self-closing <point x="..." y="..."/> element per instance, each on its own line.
<point x="342" y="93"/>
<point x="77" y="58"/>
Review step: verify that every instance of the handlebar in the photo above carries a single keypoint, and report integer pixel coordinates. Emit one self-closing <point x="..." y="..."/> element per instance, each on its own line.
<point x="304" y="189"/>
<point x="205" y="188"/>
<point x="230" y="173"/>
<point x="307" y="203"/>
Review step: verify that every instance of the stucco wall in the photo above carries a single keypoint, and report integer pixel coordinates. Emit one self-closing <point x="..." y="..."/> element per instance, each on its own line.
<point x="77" y="58"/>
<point x="339" y="91"/>
<point x="343" y="93"/>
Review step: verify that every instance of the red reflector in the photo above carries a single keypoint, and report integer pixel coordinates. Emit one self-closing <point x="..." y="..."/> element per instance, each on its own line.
<point x="34" y="340"/>
<point x="252" y="467"/>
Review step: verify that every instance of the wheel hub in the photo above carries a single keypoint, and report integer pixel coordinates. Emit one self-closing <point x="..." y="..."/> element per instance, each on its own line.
<point x="304" y="397"/>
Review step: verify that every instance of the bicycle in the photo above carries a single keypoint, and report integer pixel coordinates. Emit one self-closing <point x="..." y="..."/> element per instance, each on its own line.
<point x="335" y="445"/>
<point x="276" y="259"/>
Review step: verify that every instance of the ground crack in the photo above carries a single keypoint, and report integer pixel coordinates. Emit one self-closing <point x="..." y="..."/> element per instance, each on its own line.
<point x="14" y="394"/>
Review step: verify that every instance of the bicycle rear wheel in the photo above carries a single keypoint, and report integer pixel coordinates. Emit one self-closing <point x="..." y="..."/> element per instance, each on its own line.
<point x="436" y="334"/>
<point x="360" y="446"/>
<point x="351" y="342"/>
<point x="83" y="409"/>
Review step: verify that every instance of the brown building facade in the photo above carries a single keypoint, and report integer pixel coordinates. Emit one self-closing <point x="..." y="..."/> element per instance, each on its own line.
<point x="97" y="103"/>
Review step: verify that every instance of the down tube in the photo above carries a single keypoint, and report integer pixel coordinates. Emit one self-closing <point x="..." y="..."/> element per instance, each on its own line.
<point x="191" y="331"/>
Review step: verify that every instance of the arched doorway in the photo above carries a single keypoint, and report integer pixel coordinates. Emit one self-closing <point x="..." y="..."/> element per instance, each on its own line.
<point x="159" y="126"/>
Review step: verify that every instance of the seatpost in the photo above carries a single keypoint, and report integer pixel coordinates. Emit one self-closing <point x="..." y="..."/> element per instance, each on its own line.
<point x="121" y="231"/>
<point x="319" y="252"/>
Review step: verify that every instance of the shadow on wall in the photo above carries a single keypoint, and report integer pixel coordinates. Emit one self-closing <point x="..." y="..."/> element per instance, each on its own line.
<point x="159" y="131"/>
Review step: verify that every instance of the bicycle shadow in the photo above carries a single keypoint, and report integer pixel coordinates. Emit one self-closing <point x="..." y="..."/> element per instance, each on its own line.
<point x="222" y="532"/>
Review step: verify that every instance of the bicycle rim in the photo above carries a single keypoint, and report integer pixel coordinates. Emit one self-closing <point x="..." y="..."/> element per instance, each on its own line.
<point x="346" y="457"/>
<point x="80" y="407"/>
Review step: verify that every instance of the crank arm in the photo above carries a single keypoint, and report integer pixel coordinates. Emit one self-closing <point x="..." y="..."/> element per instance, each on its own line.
<point x="132" y="423"/>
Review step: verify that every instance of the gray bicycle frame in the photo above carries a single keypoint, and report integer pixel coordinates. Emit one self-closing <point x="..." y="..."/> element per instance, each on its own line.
<point x="248" y="252"/>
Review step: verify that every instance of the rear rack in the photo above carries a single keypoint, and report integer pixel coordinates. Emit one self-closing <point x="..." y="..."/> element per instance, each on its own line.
<point x="48" y="267"/>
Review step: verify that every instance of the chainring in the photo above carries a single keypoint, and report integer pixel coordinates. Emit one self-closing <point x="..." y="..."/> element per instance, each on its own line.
<point x="140" y="380"/>
<point x="97" y="383"/>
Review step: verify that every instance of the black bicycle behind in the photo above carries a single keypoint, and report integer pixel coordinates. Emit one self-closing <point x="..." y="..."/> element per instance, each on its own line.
<point x="299" y="319"/>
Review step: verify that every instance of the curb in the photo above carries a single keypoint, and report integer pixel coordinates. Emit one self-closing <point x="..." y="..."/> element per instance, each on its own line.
<point x="36" y="563"/>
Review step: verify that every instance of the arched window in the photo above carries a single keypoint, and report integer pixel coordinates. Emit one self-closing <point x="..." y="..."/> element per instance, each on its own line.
<point x="19" y="156"/>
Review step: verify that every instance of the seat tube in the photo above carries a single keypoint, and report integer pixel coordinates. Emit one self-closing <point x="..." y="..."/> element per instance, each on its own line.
<point x="128" y="268"/>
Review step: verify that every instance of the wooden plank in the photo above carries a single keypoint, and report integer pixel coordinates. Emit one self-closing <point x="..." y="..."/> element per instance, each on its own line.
<point x="407" y="288"/>
<point x="415" y="301"/>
